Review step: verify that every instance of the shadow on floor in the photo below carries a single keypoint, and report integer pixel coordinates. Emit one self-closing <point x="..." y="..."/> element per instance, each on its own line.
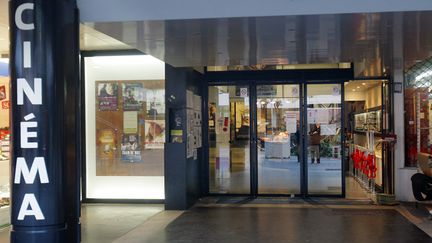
<point x="228" y="224"/>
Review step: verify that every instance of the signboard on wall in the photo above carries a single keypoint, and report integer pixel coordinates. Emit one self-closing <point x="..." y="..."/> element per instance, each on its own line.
<point x="44" y="51"/>
<point x="3" y="92"/>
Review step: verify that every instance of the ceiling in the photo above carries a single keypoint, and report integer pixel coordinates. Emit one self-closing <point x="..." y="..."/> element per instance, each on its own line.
<point x="361" y="85"/>
<point x="365" y="39"/>
<point x="90" y="39"/>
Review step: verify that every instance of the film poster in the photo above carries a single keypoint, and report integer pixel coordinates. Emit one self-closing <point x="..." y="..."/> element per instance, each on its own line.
<point x="130" y="148"/>
<point x="133" y="96"/>
<point x="106" y="139"/>
<point x="155" y="102"/>
<point x="154" y="134"/>
<point x="107" y="95"/>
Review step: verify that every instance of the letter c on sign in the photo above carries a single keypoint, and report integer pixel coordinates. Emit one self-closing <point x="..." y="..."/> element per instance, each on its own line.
<point x="18" y="16"/>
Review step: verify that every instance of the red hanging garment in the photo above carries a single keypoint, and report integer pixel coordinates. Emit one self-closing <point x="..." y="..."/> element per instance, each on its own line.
<point x="371" y="166"/>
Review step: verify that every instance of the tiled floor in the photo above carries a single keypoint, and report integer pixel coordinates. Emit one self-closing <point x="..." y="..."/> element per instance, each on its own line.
<point x="279" y="224"/>
<point x="106" y="222"/>
<point x="309" y="221"/>
<point x="103" y="223"/>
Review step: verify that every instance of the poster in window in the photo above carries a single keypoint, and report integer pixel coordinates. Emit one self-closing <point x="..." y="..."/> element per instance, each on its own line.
<point x="133" y="96"/>
<point x="155" y="102"/>
<point x="328" y="129"/>
<point x="190" y="133"/>
<point x="131" y="148"/>
<point x="312" y="115"/>
<point x="130" y="122"/>
<point x="106" y="141"/>
<point x="154" y="134"/>
<point x="107" y="95"/>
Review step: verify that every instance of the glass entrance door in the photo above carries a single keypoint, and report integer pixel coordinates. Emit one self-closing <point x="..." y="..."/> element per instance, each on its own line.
<point x="229" y="139"/>
<point x="275" y="139"/>
<point x="278" y="139"/>
<point x="324" y="133"/>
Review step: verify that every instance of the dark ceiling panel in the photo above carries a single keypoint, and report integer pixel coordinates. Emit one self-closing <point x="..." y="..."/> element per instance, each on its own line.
<point x="365" y="39"/>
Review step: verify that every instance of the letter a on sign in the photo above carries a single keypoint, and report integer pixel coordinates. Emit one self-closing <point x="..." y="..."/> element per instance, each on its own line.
<point x="34" y="210"/>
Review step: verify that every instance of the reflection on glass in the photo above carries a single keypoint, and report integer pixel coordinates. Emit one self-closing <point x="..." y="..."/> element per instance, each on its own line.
<point x="229" y="149"/>
<point x="278" y="124"/>
<point x="324" y="139"/>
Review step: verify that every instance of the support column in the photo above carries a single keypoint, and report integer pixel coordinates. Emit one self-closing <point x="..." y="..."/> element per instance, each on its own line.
<point x="402" y="183"/>
<point x="44" y="83"/>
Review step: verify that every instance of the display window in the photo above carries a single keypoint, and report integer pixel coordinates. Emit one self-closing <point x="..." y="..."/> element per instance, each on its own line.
<point x="366" y="122"/>
<point x="4" y="146"/>
<point x="418" y="118"/>
<point x="125" y="127"/>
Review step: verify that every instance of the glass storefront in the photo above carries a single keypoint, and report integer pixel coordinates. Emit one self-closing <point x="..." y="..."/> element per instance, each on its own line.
<point x="4" y="143"/>
<point x="125" y="127"/>
<point x="256" y="140"/>
<point x="418" y="104"/>
<point x="366" y="119"/>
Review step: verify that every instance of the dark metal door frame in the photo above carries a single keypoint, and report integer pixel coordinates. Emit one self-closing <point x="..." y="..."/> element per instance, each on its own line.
<point x="302" y="78"/>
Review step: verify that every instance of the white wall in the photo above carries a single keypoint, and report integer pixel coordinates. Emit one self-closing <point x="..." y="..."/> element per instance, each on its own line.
<point x="117" y="68"/>
<point x="130" y="10"/>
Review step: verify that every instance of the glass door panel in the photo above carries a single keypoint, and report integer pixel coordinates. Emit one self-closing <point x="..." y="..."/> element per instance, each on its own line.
<point x="324" y="107"/>
<point x="278" y="134"/>
<point x="229" y="139"/>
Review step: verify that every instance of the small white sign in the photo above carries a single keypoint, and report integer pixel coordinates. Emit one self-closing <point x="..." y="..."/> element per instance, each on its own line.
<point x="244" y="92"/>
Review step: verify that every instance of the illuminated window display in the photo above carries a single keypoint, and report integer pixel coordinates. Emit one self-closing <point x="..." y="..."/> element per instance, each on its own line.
<point x="125" y="127"/>
<point x="4" y="151"/>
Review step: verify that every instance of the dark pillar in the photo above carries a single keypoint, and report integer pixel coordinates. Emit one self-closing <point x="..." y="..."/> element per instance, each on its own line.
<point x="44" y="85"/>
<point x="182" y="174"/>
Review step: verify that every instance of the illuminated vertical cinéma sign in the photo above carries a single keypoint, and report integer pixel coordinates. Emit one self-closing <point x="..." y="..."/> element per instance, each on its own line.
<point x="38" y="82"/>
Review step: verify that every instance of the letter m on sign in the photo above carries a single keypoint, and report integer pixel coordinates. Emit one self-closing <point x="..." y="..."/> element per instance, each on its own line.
<point x="38" y="167"/>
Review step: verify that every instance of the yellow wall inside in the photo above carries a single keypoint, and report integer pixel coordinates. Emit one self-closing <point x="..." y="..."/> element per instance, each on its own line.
<point x="354" y="96"/>
<point x="4" y="113"/>
<point x="373" y="97"/>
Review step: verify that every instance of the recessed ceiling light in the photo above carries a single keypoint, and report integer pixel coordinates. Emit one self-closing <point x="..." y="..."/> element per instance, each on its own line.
<point x="363" y="83"/>
<point x="353" y="89"/>
<point x="358" y="87"/>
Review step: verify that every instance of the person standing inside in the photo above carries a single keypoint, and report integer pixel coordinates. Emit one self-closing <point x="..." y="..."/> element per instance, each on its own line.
<point x="314" y="142"/>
